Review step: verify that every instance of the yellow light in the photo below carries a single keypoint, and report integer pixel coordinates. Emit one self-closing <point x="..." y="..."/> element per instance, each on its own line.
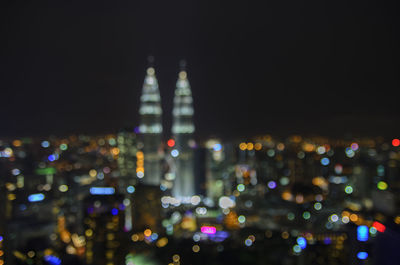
<point x="135" y="237"/>
<point x="147" y="232"/>
<point x="285" y="235"/>
<point x="243" y="146"/>
<point x="353" y="217"/>
<point x="17" y="143"/>
<point x="11" y="197"/>
<point x="115" y="151"/>
<point x="397" y="220"/>
<point x="196" y="248"/>
<point x="31" y="254"/>
<point x="382" y="185"/>
<point x="93" y="173"/>
<point x="162" y="242"/>
<point x="176" y="258"/>
<point x="89" y="232"/>
<point x="63" y="188"/>
<point x="258" y="146"/>
<point x="250" y="146"/>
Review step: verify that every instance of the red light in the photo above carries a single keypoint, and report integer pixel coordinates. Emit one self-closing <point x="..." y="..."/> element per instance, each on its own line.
<point x="379" y="227"/>
<point x="171" y="142"/>
<point x="396" y="142"/>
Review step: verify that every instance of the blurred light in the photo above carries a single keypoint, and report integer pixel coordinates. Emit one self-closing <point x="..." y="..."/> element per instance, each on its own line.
<point x="52" y="260"/>
<point x="258" y="146"/>
<point x="296" y="248"/>
<point x="102" y="190"/>
<point x="325" y="161"/>
<point x="321" y="150"/>
<point x="36" y="197"/>
<point x="208" y="229"/>
<point x="114" y="211"/>
<point x="362" y="255"/>
<point x="250" y="146"/>
<point x="348" y="189"/>
<point x="302" y="242"/>
<point x="15" y="171"/>
<point x="226" y="202"/>
<point x="63" y="188"/>
<point x="174" y="153"/>
<point x="63" y="147"/>
<point x="217" y="147"/>
<point x="196" y="248"/>
<point x="396" y="142"/>
<point x="334" y="218"/>
<point x="248" y="242"/>
<point x="92" y="173"/>
<point x="147" y="232"/>
<point x="284" y="181"/>
<point x="349" y="152"/>
<point x="354" y="146"/>
<point x="45" y="144"/>
<point x="317" y="206"/>
<point x="372" y="230"/>
<point x="272" y="184"/>
<point x="195" y="200"/>
<point x="338" y="169"/>
<point x="243" y="146"/>
<point x="241" y="219"/>
<point x="382" y="185"/>
<point x="51" y="158"/>
<point x="362" y="233"/>
<point x="345" y="219"/>
<point x="379" y="227"/>
<point x="171" y="142"/>
<point x="240" y="187"/>
<point x="306" y="215"/>
<point x="130" y="189"/>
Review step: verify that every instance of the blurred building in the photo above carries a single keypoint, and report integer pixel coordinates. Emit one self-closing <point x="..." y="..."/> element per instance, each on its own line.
<point x="150" y="131"/>
<point x="182" y="131"/>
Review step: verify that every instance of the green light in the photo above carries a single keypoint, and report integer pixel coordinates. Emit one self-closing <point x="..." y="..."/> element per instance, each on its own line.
<point x="382" y="185"/>
<point x="63" y="147"/>
<point x="241" y="219"/>
<point x="306" y="215"/>
<point x="46" y="171"/>
<point x="348" y="189"/>
<point x="290" y="216"/>
<point x="317" y="206"/>
<point x="240" y="187"/>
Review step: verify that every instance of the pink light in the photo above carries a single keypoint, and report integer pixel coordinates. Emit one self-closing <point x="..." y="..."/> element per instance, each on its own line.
<point x="208" y="229"/>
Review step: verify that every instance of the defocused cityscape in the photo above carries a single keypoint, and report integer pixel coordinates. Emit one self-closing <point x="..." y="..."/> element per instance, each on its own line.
<point x="137" y="198"/>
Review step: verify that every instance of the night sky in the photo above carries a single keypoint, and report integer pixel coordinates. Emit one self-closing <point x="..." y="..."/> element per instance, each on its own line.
<point x="281" y="67"/>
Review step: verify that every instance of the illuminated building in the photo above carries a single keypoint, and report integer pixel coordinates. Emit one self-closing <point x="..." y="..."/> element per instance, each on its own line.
<point x="150" y="129"/>
<point x="182" y="131"/>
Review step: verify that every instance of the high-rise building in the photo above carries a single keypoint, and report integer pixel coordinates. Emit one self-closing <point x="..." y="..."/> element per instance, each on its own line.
<point x="182" y="131"/>
<point x="150" y="129"/>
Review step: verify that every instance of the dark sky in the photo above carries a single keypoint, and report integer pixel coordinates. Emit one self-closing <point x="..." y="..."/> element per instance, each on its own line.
<point x="286" y="66"/>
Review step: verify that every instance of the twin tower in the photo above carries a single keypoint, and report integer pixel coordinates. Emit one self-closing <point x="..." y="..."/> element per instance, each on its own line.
<point x="151" y="130"/>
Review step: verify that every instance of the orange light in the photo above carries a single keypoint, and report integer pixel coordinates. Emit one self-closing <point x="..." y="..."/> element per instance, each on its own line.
<point x="171" y="142"/>
<point x="354" y="217"/>
<point x="147" y="232"/>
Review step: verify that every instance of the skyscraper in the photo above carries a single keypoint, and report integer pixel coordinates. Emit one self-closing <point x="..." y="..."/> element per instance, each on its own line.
<point x="150" y="129"/>
<point x="182" y="131"/>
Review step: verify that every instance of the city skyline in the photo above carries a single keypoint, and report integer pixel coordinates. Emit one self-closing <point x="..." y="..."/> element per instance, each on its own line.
<point x="273" y="69"/>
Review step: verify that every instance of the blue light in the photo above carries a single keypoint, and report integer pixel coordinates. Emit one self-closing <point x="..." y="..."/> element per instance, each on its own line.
<point x="130" y="189"/>
<point x="51" y="158"/>
<point x="114" y="211"/>
<point x="102" y="190"/>
<point x="362" y="255"/>
<point x="302" y="242"/>
<point x="37" y="197"/>
<point x="45" y="144"/>
<point x="325" y="161"/>
<point x="217" y="147"/>
<point x="362" y="233"/>
<point x="53" y="260"/>
<point x="1" y="238"/>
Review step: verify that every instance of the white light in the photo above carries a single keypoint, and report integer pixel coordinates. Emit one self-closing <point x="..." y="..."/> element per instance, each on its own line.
<point x="195" y="200"/>
<point x="226" y="202"/>
<point x="174" y="153"/>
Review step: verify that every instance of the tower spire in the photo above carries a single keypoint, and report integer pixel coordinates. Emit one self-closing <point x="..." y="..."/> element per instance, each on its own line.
<point x="182" y="131"/>
<point x="150" y="128"/>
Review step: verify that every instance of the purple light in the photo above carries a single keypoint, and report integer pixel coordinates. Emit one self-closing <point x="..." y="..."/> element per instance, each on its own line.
<point x="136" y="130"/>
<point x="208" y="229"/>
<point x="272" y="184"/>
